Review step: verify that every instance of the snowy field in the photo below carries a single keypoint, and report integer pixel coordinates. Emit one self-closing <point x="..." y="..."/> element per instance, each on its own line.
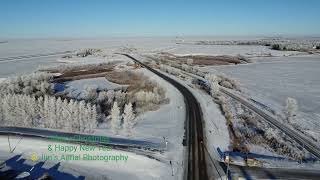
<point x="22" y="47"/>
<point x="271" y="80"/>
<point x="232" y="50"/>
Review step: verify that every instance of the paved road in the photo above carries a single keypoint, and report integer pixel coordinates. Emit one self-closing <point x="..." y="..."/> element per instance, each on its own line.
<point x="196" y="167"/>
<point x="82" y="138"/>
<point x="298" y="137"/>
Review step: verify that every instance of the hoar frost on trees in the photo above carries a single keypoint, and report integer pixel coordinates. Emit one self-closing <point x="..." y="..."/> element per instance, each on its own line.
<point x="115" y="118"/>
<point x="185" y="67"/>
<point x="48" y="112"/>
<point x="110" y="95"/>
<point x="33" y="84"/>
<point x="214" y="88"/>
<point x="153" y="63"/>
<point x="189" y="61"/>
<point x="291" y="109"/>
<point x="214" y="85"/>
<point x="128" y="118"/>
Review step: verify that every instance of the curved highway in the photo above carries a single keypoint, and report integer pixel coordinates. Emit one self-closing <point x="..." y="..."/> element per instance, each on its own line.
<point x="195" y="166"/>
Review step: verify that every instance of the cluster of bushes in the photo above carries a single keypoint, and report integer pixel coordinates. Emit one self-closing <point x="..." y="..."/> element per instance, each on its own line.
<point x="37" y="84"/>
<point x="87" y="52"/>
<point x="275" y="43"/>
<point x="78" y="67"/>
<point x="141" y="91"/>
<point x="290" y="47"/>
<point x="223" y="81"/>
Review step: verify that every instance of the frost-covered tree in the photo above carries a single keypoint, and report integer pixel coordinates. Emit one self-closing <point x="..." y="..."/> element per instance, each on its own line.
<point x="1" y="111"/>
<point x="120" y="97"/>
<point x="291" y="109"/>
<point x="211" y="77"/>
<point x="103" y="96"/>
<point x="91" y="94"/>
<point x="92" y="120"/>
<point x="84" y="114"/>
<point x="185" y="67"/>
<point x="189" y="61"/>
<point x="128" y="118"/>
<point x="153" y="63"/>
<point x="162" y="67"/>
<point x="115" y="118"/>
<point x="66" y="116"/>
<point x="214" y="88"/>
<point x="110" y="95"/>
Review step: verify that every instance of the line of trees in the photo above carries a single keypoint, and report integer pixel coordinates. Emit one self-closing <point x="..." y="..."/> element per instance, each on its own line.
<point x="47" y="112"/>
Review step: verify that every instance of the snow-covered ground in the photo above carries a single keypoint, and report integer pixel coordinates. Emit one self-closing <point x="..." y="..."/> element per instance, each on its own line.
<point x="271" y="80"/>
<point x="78" y="88"/>
<point x="233" y="50"/>
<point x="132" y="168"/>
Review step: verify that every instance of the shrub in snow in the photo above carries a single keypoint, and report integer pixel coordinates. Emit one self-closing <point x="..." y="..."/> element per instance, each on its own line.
<point x="211" y="77"/>
<point x="87" y="52"/>
<point x="291" y="109"/>
<point x="120" y="97"/>
<point x="153" y="63"/>
<point x="226" y="84"/>
<point x="102" y="97"/>
<point x="91" y="94"/>
<point x="185" y="67"/>
<point x="110" y="95"/>
<point x="195" y="69"/>
<point x="162" y="67"/>
<point x="189" y="61"/>
<point x="128" y="118"/>
<point x="276" y="47"/>
<point x="214" y="89"/>
<point x="115" y="118"/>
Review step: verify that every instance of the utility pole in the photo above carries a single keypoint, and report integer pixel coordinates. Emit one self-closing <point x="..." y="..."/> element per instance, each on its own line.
<point x="227" y="159"/>
<point x="9" y="144"/>
<point x="171" y="168"/>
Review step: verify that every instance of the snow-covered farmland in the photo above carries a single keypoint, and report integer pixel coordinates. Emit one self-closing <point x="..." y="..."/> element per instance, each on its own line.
<point x="271" y="80"/>
<point x="233" y="50"/>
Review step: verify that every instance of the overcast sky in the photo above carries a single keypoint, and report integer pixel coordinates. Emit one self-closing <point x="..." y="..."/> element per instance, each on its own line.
<point x="93" y="18"/>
